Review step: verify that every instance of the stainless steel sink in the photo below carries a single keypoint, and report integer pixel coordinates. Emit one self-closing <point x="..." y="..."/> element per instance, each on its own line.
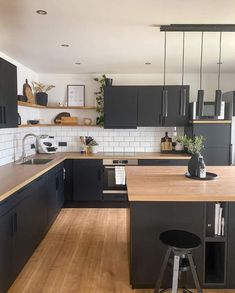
<point x="37" y="161"/>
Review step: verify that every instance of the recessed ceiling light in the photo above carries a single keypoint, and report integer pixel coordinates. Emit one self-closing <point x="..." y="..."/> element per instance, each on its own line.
<point x="147" y="63"/>
<point x="41" y="12"/>
<point x="78" y="63"/>
<point x="65" y="45"/>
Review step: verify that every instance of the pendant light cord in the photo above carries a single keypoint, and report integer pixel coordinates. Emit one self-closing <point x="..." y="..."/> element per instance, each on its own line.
<point x="183" y="54"/>
<point x="202" y="39"/>
<point x="219" y="70"/>
<point x="164" y="75"/>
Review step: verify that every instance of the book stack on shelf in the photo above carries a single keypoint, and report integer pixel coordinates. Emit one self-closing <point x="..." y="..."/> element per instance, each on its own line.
<point x="219" y="220"/>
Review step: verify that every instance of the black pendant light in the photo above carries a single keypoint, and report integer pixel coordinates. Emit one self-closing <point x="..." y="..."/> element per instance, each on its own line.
<point x="164" y="91"/>
<point x="200" y="93"/>
<point x="183" y="91"/>
<point x="218" y="92"/>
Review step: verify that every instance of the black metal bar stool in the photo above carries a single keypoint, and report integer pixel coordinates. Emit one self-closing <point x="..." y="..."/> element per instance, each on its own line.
<point x="180" y="245"/>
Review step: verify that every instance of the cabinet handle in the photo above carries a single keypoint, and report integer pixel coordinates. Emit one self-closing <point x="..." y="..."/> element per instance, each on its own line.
<point x="64" y="173"/>
<point x="4" y="115"/>
<point x="164" y="103"/>
<point x="15" y="223"/>
<point x="0" y="114"/>
<point x="182" y="109"/>
<point x="12" y="225"/>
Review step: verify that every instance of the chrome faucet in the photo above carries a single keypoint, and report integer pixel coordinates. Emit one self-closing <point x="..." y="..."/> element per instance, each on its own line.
<point x="23" y="157"/>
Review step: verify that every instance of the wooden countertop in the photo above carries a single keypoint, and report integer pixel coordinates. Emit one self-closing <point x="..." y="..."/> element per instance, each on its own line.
<point x="13" y="177"/>
<point x="169" y="184"/>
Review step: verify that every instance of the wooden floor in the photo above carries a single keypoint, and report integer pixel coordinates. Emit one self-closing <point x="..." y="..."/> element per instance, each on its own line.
<point x="85" y="251"/>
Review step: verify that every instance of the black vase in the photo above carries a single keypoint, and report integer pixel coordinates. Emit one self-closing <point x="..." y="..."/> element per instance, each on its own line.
<point x="42" y="99"/>
<point x="193" y="165"/>
<point x="108" y="81"/>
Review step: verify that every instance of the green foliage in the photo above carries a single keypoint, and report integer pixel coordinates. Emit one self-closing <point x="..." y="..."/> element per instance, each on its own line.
<point x="194" y="145"/>
<point x="100" y="100"/>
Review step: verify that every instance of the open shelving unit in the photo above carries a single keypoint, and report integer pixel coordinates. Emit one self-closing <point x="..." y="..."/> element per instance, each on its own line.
<point x="25" y="104"/>
<point x="60" y="125"/>
<point x="215" y="248"/>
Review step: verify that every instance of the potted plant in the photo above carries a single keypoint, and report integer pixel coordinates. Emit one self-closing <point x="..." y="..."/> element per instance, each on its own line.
<point x="194" y="146"/>
<point x="41" y="92"/>
<point x="103" y="81"/>
<point x="94" y="146"/>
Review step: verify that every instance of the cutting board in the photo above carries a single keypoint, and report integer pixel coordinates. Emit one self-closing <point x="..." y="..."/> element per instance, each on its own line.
<point x="27" y="92"/>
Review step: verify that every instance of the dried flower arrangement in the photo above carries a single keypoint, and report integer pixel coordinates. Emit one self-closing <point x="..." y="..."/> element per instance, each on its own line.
<point x="41" y="88"/>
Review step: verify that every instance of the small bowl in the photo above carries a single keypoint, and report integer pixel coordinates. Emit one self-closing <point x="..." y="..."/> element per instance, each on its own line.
<point x="32" y="122"/>
<point x="87" y="121"/>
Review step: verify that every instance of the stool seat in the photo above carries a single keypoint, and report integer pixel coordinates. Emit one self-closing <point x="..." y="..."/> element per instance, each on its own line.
<point x="180" y="239"/>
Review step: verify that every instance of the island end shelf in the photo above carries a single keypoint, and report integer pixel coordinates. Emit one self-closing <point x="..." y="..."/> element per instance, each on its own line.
<point x="162" y="198"/>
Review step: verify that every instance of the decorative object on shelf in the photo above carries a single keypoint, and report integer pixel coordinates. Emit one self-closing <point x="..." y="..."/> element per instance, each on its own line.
<point x="76" y="95"/>
<point x="166" y="143"/>
<point x="19" y="119"/>
<point x="87" y="121"/>
<point x="100" y="100"/>
<point x="108" y="81"/>
<point x="58" y="117"/>
<point x="32" y="122"/>
<point x="178" y="144"/>
<point x="218" y="92"/>
<point x="21" y="98"/>
<point x="41" y="92"/>
<point x="27" y="92"/>
<point x="194" y="146"/>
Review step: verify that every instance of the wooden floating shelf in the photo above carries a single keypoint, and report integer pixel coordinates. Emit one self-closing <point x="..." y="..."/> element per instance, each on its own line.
<point x="25" y="104"/>
<point x="60" y="125"/>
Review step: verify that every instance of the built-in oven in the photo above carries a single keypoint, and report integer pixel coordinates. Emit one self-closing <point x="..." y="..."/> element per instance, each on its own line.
<point x="112" y="189"/>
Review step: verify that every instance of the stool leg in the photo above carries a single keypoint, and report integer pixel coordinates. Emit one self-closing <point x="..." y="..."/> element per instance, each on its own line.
<point x="195" y="277"/>
<point x="175" y="274"/>
<point x="162" y="271"/>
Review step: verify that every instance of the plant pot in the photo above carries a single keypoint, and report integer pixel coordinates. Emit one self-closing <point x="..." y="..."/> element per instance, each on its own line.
<point x="94" y="149"/>
<point x="42" y="99"/>
<point x="108" y="81"/>
<point x="179" y="147"/>
<point x="193" y="165"/>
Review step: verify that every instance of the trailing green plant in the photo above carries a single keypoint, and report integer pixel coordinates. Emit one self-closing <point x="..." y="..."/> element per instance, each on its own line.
<point x="194" y="145"/>
<point x="100" y="100"/>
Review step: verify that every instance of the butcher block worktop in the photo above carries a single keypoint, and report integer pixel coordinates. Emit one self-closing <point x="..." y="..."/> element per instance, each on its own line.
<point x="169" y="184"/>
<point x="13" y="177"/>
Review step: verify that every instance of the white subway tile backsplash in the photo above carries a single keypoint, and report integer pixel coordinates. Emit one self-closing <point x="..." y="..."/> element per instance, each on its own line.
<point x="142" y="139"/>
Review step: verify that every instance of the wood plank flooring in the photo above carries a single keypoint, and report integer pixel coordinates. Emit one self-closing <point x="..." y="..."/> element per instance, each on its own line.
<point x="85" y="251"/>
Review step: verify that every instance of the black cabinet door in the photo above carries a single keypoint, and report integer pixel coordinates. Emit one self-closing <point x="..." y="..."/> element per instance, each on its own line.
<point x="87" y="180"/>
<point x="8" y="95"/>
<point x="120" y="107"/>
<point x="6" y="251"/>
<point x="30" y="221"/>
<point x="231" y="250"/>
<point x="174" y="118"/>
<point x="68" y="182"/>
<point x="60" y="189"/>
<point x="149" y="105"/>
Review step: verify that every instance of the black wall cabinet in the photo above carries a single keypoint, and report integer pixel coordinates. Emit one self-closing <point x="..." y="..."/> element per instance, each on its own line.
<point x="87" y="180"/>
<point x="217" y="143"/>
<point x="8" y="95"/>
<point x="132" y="106"/>
<point x="120" y="107"/>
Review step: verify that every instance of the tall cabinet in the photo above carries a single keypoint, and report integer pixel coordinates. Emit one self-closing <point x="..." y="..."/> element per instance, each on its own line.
<point x="8" y="95"/>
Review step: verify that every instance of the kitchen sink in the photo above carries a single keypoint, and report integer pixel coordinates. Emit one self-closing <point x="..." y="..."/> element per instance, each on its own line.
<point x="37" y="161"/>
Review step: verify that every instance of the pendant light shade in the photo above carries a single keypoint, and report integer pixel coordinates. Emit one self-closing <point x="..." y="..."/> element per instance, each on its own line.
<point x="218" y="92"/>
<point x="164" y="105"/>
<point x="200" y="93"/>
<point x="183" y="92"/>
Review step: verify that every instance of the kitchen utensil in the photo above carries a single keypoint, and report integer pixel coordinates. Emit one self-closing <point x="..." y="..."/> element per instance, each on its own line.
<point x="27" y="92"/>
<point x="58" y="117"/>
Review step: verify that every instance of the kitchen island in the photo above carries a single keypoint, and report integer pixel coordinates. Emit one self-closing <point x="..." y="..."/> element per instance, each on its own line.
<point x="162" y="198"/>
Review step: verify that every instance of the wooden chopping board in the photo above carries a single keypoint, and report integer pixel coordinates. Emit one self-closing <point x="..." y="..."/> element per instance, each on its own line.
<point x="27" y="92"/>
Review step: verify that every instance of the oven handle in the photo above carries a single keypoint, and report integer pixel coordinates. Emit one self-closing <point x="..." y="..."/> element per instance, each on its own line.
<point x="111" y="167"/>
<point x="114" y="191"/>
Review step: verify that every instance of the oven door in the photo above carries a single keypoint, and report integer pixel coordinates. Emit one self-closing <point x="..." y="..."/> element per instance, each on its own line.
<point x="111" y="190"/>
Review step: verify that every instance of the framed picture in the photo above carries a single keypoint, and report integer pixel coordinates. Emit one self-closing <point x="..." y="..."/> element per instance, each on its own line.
<point x="76" y="95"/>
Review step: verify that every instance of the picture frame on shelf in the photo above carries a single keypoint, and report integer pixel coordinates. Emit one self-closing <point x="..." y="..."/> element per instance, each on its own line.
<point x="76" y="95"/>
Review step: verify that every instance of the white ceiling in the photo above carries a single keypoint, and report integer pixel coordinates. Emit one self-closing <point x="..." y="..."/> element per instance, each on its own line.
<point x="113" y="36"/>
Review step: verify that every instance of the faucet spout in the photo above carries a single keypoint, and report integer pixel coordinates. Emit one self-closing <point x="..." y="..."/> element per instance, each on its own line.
<point x="23" y="157"/>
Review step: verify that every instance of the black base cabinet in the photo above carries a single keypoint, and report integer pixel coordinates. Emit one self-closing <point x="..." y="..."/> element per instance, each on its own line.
<point x="87" y="180"/>
<point x="25" y="218"/>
